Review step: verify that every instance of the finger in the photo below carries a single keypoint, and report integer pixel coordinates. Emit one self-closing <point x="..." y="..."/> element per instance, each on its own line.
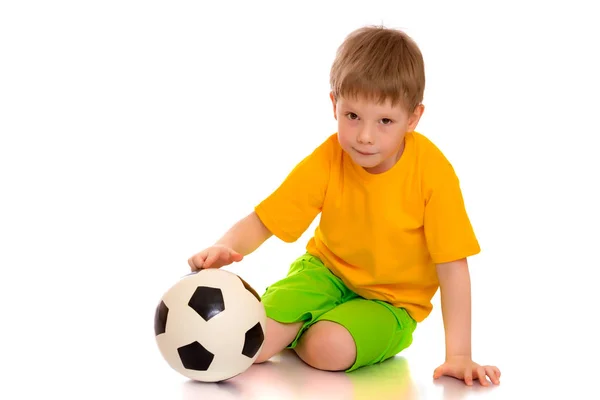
<point x="482" y="376"/>
<point x="210" y="260"/>
<point x="235" y="256"/>
<point x="228" y="256"/>
<point x="195" y="262"/>
<point x="493" y="373"/>
<point x="469" y="377"/>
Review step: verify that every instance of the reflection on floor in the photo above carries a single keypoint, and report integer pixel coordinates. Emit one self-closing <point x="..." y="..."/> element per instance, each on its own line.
<point x="287" y="377"/>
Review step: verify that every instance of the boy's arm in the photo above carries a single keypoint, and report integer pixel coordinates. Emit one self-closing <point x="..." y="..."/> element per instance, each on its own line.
<point x="241" y="239"/>
<point x="245" y="236"/>
<point x="455" y="293"/>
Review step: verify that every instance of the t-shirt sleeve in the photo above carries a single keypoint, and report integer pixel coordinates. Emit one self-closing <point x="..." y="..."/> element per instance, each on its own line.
<point x="448" y="229"/>
<point x="292" y="207"/>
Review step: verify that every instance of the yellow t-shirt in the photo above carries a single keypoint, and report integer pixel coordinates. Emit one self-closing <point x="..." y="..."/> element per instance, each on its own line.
<point x="382" y="234"/>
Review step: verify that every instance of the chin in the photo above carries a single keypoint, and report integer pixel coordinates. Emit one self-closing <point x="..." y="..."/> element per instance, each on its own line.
<point x="367" y="164"/>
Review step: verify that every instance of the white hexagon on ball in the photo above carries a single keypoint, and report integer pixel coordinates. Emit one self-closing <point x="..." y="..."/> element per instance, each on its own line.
<point x="210" y="325"/>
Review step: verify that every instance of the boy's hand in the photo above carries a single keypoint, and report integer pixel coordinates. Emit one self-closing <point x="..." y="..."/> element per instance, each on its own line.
<point x="465" y="369"/>
<point x="215" y="256"/>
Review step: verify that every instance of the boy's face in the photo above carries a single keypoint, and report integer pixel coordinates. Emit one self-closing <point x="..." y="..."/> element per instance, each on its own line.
<point x="373" y="134"/>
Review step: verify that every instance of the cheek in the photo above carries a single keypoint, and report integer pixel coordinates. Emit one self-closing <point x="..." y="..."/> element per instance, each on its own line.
<point x="386" y="141"/>
<point x="393" y="142"/>
<point x="345" y="136"/>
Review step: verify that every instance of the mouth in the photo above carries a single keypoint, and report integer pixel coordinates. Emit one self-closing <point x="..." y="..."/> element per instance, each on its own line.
<point x="364" y="153"/>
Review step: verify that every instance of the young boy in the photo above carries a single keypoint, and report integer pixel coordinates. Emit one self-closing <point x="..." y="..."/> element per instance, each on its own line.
<point x="393" y="226"/>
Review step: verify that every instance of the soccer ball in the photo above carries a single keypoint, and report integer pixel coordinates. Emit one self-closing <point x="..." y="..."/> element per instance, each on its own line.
<point x="210" y="325"/>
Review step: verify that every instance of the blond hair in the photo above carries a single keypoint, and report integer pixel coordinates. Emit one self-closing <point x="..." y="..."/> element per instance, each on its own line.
<point x="381" y="64"/>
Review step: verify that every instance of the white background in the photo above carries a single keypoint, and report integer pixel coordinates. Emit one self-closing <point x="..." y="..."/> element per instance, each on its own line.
<point x="135" y="133"/>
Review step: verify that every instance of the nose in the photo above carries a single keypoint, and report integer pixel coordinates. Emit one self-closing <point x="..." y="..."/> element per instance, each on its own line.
<point x="365" y="136"/>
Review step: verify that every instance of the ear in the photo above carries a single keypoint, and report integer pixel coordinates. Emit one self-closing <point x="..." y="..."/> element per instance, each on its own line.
<point x="332" y="97"/>
<point x="415" y="116"/>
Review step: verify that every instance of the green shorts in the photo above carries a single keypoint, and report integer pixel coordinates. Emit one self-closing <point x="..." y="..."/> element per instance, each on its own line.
<point x="311" y="292"/>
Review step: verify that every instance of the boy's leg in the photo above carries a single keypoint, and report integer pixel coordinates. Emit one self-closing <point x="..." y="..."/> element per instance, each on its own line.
<point x="378" y="331"/>
<point x="293" y="303"/>
<point x="277" y="337"/>
<point x="327" y="346"/>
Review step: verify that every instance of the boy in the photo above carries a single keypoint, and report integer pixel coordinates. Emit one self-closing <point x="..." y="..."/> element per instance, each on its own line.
<point x="393" y="226"/>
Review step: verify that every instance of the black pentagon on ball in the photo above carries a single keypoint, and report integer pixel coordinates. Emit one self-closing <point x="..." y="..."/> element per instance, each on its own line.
<point x="207" y="301"/>
<point x="160" y="318"/>
<point x="195" y="357"/>
<point x="250" y="288"/>
<point x="254" y="339"/>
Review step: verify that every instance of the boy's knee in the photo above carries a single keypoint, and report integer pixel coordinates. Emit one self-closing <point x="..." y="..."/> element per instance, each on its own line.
<point x="327" y="346"/>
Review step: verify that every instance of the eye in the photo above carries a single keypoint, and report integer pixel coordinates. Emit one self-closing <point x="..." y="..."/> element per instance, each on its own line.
<point x="386" y="121"/>
<point x="351" y="115"/>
